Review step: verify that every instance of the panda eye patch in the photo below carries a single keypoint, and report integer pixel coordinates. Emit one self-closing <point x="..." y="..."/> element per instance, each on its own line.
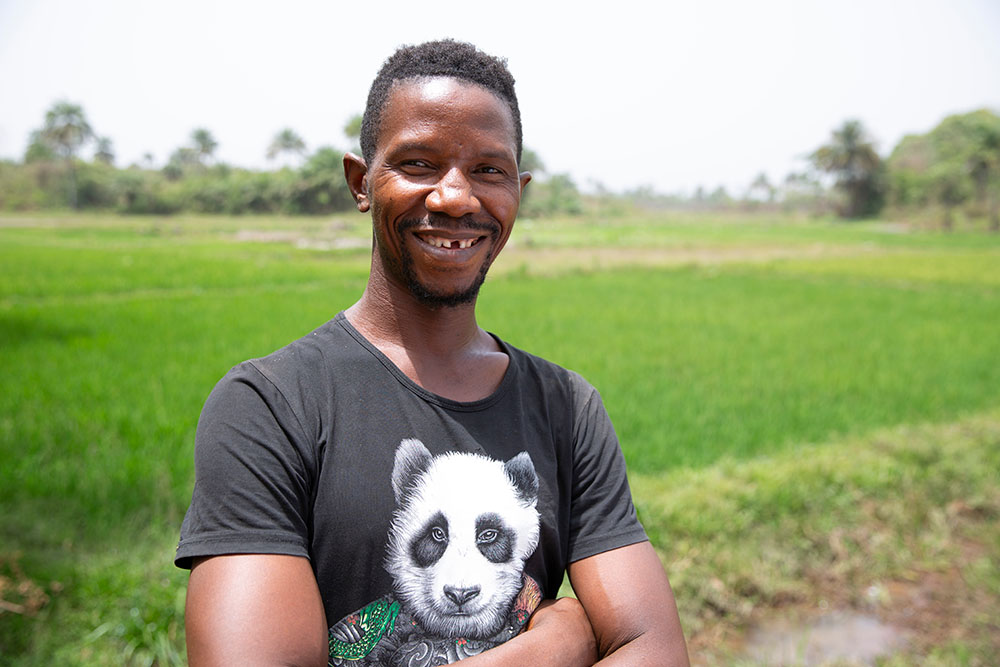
<point x="431" y="542"/>
<point x="494" y="539"/>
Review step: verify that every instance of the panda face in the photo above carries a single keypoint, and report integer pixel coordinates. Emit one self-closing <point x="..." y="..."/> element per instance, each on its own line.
<point x="459" y="538"/>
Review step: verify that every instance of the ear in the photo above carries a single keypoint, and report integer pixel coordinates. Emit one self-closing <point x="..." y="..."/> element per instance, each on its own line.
<point x="356" y="174"/>
<point x="412" y="460"/>
<point x="521" y="472"/>
<point x="525" y="178"/>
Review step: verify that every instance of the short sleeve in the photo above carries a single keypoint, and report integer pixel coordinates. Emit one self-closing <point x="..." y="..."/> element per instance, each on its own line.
<point x="602" y="516"/>
<point x="254" y="473"/>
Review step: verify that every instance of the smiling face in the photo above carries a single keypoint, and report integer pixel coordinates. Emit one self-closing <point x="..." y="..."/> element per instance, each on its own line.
<point x="443" y="188"/>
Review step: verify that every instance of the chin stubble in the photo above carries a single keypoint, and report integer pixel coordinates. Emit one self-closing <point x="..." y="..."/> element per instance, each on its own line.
<point x="436" y="299"/>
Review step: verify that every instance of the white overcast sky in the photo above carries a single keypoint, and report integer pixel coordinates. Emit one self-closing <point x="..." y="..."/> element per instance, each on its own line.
<point x="624" y="93"/>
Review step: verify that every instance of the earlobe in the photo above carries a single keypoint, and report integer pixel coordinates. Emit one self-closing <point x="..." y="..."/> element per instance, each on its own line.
<point x="356" y="175"/>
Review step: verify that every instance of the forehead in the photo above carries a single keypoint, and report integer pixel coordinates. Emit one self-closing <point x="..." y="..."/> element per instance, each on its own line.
<point x="447" y="107"/>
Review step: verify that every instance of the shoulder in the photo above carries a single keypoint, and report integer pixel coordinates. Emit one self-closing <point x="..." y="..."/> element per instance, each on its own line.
<point x="298" y="377"/>
<point x="551" y="378"/>
<point x="312" y="354"/>
<point x="310" y="361"/>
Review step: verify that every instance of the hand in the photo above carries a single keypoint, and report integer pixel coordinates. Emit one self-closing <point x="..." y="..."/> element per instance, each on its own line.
<point x="558" y="635"/>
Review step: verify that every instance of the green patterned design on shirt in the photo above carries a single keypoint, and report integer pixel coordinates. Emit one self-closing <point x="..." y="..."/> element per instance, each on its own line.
<point x="376" y="620"/>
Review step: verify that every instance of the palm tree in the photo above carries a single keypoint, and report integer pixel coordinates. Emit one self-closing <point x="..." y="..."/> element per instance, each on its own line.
<point x="105" y="152"/>
<point x="286" y="141"/>
<point x="66" y="129"/>
<point x="762" y="189"/>
<point x="852" y="157"/>
<point x="204" y="144"/>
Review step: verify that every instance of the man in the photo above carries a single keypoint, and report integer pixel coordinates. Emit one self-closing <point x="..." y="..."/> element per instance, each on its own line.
<point x="399" y="486"/>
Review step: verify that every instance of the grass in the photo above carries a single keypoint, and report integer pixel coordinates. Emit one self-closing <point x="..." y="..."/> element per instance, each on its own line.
<point x="762" y="399"/>
<point x="854" y="515"/>
<point x="699" y="362"/>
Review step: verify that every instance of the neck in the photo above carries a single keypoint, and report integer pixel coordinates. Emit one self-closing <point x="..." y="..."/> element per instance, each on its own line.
<point x="399" y="320"/>
<point x="441" y="349"/>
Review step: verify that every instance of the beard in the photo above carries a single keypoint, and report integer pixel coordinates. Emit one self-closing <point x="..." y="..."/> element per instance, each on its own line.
<point x="426" y="294"/>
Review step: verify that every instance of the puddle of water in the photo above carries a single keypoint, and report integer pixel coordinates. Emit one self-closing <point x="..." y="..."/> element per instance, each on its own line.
<point x="838" y="636"/>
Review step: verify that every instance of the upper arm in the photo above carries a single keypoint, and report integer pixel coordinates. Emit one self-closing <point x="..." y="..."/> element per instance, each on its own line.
<point x="255" y="609"/>
<point x="630" y="605"/>
<point x="255" y="470"/>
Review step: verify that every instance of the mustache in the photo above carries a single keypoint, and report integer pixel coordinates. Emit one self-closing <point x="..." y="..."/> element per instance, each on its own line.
<point x="447" y="222"/>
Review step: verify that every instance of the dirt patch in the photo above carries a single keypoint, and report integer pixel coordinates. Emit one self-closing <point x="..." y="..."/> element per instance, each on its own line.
<point x="945" y="606"/>
<point x="911" y="617"/>
<point x="544" y="261"/>
<point x="18" y="593"/>
<point x="554" y="260"/>
<point x="302" y="241"/>
<point x="853" y="637"/>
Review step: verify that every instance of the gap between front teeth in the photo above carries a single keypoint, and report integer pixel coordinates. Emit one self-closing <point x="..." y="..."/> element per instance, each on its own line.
<point x="447" y="243"/>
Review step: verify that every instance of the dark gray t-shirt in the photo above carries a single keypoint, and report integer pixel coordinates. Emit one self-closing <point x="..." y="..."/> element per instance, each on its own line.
<point x="325" y="449"/>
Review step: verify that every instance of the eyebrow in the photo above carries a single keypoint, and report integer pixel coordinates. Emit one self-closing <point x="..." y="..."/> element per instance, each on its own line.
<point x="419" y="146"/>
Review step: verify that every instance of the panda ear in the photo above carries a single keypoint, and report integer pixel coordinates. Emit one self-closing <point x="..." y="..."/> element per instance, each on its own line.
<point x="412" y="459"/>
<point x="521" y="472"/>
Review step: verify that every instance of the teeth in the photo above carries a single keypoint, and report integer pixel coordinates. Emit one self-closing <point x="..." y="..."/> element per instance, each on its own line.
<point x="450" y="244"/>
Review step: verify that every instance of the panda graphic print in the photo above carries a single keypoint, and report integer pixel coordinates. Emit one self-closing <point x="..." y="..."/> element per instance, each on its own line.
<point x="463" y="528"/>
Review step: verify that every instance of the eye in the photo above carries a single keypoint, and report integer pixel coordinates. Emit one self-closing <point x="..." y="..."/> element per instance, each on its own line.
<point x="438" y="535"/>
<point x="414" y="166"/>
<point x="489" y="169"/>
<point x="487" y="536"/>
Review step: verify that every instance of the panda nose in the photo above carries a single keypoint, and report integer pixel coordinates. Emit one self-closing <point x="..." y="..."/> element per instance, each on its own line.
<point x="460" y="595"/>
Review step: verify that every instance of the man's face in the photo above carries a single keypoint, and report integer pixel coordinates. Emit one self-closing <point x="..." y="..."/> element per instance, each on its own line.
<point x="444" y="187"/>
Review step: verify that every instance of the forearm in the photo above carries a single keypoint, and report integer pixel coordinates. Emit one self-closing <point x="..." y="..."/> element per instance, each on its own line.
<point x="558" y="635"/>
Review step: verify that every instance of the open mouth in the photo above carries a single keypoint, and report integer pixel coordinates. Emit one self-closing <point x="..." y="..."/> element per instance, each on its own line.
<point x="449" y="243"/>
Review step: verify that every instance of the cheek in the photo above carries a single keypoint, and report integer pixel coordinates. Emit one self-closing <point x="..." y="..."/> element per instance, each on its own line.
<point x="504" y="203"/>
<point x="390" y="192"/>
<point x="503" y="209"/>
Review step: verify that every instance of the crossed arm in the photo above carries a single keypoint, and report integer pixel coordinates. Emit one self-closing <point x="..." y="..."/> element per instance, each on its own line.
<point x="259" y="609"/>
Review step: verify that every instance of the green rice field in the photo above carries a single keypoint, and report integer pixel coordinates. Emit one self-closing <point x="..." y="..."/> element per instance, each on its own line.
<point x="774" y="383"/>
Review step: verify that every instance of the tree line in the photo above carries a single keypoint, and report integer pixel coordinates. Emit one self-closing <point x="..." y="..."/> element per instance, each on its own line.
<point x="949" y="174"/>
<point x="53" y="175"/>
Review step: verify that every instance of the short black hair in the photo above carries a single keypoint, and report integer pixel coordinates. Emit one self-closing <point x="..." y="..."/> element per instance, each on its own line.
<point x="446" y="57"/>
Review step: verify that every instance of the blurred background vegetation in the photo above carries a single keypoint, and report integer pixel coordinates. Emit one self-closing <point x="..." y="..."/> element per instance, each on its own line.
<point x="947" y="177"/>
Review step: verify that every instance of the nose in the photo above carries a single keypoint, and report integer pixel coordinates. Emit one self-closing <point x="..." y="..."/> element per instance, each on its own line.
<point x="452" y="196"/>
<point x="460" y="595"/>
